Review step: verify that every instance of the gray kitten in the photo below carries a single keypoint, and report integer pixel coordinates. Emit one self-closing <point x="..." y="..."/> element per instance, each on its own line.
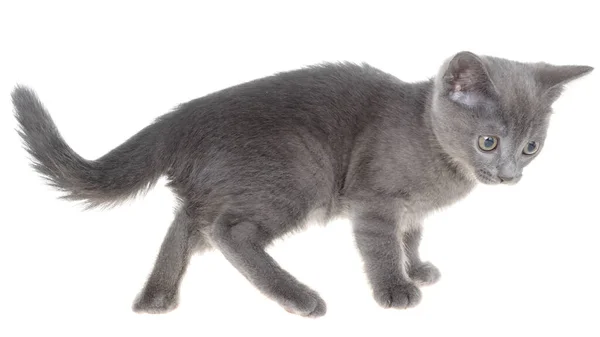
<point x="257" y="160"/>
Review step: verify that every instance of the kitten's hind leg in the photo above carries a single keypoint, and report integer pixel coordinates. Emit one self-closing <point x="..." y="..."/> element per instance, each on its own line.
<point x="242" y="243"/>
<point x="160" y="294"/>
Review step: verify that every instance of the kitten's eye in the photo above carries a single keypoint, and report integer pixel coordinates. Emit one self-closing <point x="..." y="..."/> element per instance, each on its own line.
<point x="531" y="148"/>
<point x="488" y="143"/>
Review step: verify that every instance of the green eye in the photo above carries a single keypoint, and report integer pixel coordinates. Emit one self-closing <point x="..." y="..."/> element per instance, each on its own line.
<point x="531" y="148"/>
<point x="488" y="143"/>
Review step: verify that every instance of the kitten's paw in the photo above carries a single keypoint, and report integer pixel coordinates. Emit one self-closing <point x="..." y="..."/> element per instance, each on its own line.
<point x="425" y="274"/>
<point x="155" y="302"/>
<point x="304" y="303"/>
<point x="399" y="296"/>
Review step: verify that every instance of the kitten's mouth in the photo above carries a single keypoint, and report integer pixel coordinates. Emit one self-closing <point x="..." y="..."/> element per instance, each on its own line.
<point x="487" y="178"/>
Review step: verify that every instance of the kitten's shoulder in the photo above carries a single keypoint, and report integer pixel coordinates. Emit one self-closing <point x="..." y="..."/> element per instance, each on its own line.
<point x="362" y="69"/>
<point x="342" y="70"/>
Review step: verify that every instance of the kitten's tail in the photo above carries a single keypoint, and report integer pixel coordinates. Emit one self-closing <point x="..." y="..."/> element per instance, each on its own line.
<point x="131" y="168"/>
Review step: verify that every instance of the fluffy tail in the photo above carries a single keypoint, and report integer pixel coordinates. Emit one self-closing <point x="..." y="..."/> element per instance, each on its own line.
<point x="124" y="172"/>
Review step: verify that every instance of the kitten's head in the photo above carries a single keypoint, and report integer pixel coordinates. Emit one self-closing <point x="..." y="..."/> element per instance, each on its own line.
<point x="491" y="115"/>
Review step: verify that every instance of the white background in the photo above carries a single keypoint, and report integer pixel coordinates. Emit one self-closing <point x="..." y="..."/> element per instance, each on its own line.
<point x="516" y="261"/>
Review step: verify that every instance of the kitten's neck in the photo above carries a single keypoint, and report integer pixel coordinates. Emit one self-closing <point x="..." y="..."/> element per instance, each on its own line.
<point x="455" y="166"/>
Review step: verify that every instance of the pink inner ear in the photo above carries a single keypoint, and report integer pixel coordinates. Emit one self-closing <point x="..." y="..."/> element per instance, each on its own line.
<point x="462" y="80"/>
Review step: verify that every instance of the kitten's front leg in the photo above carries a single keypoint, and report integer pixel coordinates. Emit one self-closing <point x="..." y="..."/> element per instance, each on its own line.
<point x="378" y="242"/>
<point x="423" y="273"/>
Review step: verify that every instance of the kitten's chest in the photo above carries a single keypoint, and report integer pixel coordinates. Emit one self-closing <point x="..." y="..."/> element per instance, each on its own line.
<point x="435" y="192"/>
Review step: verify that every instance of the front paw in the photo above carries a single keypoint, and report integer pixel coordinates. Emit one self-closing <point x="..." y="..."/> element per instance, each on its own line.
<point x="424" y="274"/>
<point x="399" y="296"/>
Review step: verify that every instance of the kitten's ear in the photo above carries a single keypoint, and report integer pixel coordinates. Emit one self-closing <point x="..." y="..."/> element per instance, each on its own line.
<point x="552" y="78"/>
<point x="466" y="80"/>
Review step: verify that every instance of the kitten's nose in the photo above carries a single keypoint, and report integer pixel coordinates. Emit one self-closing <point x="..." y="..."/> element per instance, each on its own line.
<point x="508" y="173"/>
<point x="511" y="180"/>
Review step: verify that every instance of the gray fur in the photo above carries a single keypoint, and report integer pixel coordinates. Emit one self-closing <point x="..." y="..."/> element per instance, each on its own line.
<point x="255" y="161"/>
